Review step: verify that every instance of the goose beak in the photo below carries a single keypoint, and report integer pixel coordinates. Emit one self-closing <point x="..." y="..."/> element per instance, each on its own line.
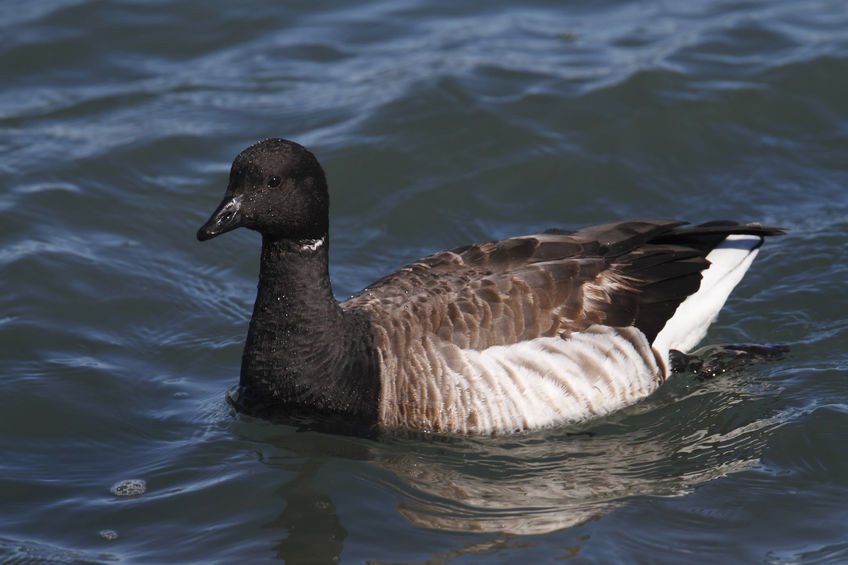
<point x="226" y="217"/>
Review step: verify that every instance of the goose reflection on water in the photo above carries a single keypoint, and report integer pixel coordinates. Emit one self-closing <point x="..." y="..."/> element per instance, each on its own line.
<point x="581" y="478"/>
<point x="693" y="432"/>
<point x="528" y="484"/>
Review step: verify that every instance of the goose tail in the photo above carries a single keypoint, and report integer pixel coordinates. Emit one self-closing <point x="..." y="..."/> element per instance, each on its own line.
<point x="729" y="260"/>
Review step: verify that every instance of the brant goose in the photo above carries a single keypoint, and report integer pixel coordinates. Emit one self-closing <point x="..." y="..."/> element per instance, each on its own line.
<point x="489" y="338"/>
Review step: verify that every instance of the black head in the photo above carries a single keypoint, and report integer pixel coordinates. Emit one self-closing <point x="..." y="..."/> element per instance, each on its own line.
<point x="277" y="188"/>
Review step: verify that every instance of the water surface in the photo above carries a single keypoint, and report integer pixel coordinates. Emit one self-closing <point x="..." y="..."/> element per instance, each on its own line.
<point x="438" y="124"/>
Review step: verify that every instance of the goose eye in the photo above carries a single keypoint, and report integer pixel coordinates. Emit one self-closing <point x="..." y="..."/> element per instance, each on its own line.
<point x="274" y="181"/>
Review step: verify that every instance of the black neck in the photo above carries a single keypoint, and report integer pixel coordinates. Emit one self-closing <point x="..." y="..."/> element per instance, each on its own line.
<point x="304" y="353"/>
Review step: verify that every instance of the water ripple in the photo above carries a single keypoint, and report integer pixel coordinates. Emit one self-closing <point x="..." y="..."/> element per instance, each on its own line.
<point x="437" y="124"/>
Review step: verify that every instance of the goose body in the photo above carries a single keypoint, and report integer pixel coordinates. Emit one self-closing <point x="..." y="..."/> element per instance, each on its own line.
<point x="496" y="337"/>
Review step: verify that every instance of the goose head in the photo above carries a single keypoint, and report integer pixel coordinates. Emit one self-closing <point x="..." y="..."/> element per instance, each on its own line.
<point x="277" y="188"/>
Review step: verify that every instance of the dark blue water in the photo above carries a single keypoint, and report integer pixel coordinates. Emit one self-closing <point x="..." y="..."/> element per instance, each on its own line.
<point x="438" y="124"/>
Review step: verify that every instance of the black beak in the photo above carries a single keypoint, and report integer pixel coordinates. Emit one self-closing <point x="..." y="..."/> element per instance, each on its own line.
<point x="226" y="217"/>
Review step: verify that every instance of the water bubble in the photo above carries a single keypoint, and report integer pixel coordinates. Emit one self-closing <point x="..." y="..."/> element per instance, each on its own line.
<point x="109" y="535"/>
<point x="130" y="487"/>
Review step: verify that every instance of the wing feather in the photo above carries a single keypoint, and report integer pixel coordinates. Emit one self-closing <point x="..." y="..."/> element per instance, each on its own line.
<point x="554" y="283"/>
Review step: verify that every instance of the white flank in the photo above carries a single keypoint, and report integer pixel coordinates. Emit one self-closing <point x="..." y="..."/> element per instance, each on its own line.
<point x="541" y="382"/>
<point x="688" y="326"/>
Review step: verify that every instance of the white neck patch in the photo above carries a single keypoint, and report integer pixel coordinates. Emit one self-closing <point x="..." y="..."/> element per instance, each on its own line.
<point x="312" y="244"/>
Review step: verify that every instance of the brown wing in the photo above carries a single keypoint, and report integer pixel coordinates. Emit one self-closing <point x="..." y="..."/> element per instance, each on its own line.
<point x="497" y="293"/>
